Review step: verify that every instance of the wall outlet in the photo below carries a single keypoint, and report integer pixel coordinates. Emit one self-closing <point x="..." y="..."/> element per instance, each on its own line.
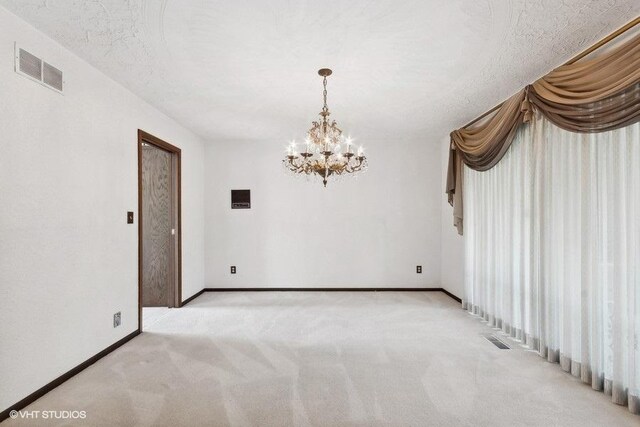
<point x="117" y="319"/>
<point x="233" y="269"/>
<point x="419" y="269"/>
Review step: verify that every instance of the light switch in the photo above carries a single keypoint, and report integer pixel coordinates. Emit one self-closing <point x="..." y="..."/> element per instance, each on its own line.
<point x="129" y="217"/>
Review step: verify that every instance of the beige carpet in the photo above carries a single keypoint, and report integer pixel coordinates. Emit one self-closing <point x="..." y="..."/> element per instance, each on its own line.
<point x="325" y="359"/>
<point x="151" y="315"/>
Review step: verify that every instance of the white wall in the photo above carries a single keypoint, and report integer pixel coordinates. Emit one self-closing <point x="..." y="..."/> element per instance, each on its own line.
<point x="369" y="231"/>
<point x="452" y="248"/>
<point x="68" y="174"/>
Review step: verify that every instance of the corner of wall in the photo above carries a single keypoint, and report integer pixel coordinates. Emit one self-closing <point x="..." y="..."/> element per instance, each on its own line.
<point x="451" y="244"/>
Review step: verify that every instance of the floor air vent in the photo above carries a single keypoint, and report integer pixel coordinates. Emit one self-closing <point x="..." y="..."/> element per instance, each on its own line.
<point x="497" y="342"/>
<point x="29" y="65"/>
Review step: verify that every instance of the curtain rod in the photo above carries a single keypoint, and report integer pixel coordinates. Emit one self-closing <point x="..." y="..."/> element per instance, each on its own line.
<point x="576" y="58"/>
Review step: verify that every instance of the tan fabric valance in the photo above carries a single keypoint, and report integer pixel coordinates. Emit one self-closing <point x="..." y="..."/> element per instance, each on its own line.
<point x="481" y="146"/>
<point x="594" y="95"/>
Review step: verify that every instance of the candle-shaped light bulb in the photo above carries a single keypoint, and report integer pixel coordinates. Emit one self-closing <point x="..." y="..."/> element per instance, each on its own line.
<point x="325" y="146"/>
<point x="349" y="142"/>
<point x="360" y="151"/>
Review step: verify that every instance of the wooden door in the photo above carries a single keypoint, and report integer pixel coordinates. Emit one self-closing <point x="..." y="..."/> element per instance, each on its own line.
<point x="158" y="230"/>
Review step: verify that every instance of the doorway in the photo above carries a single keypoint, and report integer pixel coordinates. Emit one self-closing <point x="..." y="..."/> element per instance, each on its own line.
<point x="159" y="228"/>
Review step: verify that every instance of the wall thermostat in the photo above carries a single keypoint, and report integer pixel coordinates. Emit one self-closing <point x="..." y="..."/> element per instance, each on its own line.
<point x="240" y="199"/>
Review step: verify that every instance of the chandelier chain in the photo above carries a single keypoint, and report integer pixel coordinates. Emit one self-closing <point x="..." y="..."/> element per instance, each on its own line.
<point x="324" y="94"/>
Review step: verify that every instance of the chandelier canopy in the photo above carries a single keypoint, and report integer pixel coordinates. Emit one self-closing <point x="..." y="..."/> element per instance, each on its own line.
<point x="326" y="151"/>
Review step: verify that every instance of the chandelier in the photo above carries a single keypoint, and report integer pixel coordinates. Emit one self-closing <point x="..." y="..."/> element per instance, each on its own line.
<point x="324" y="154"/>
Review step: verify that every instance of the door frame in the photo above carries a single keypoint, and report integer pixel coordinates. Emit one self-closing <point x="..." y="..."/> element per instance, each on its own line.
<point x="176" y="158"/>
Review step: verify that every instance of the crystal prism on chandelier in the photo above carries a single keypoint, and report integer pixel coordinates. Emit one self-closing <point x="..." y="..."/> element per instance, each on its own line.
<point x="326" y="151"/>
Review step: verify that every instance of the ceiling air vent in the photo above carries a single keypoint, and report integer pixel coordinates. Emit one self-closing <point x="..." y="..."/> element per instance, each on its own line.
<point x="29" y="65"/>
<point x="51" y="76"/>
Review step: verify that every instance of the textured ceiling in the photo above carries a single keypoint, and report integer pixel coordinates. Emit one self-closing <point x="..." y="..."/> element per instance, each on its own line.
<point x="246" y="69"/>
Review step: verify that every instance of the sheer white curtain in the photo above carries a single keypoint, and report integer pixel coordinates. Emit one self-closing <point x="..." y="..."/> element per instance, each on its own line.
<point x="552" y="238"/>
